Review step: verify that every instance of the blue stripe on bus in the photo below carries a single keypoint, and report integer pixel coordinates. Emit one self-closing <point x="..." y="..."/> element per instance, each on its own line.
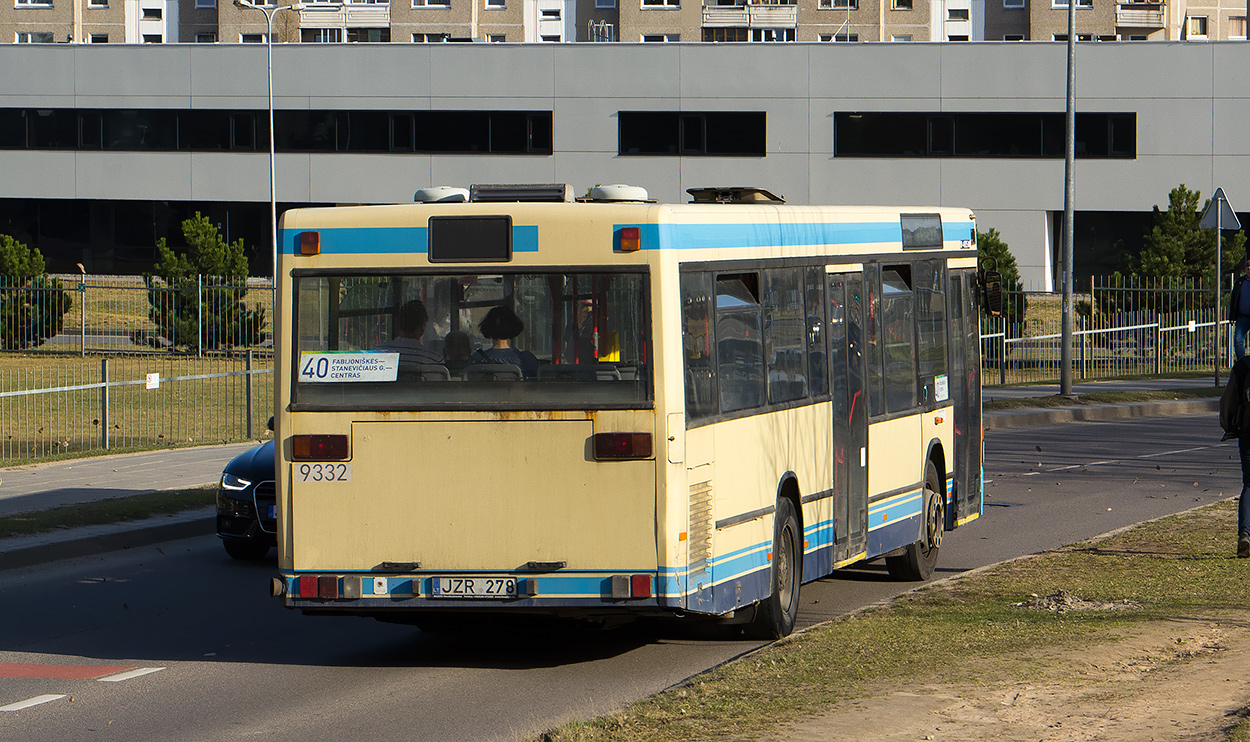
<point x="415" y="240"/>
<point x="390" y="240"/>
<point x="704" y="236"/>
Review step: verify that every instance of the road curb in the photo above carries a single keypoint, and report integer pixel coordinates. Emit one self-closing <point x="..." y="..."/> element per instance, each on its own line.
<point x="27" y="551"/>
<point x="1034" y="418"/>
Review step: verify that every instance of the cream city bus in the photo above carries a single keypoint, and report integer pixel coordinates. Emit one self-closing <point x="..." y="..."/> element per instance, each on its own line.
<point x="505" y="400"/>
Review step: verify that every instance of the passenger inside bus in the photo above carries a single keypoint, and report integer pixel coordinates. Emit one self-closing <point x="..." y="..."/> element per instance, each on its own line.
<point x="456" y="351"/>
<point x="408" y="326"/>
<point x="501" y="326"/>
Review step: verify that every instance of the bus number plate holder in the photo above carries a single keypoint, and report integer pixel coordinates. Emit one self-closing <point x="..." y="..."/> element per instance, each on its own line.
<point x="474" y="586"/>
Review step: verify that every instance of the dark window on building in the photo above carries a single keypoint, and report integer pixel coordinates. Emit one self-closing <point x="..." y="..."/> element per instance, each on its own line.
<point x="364" y="131"/>
<point x="147" y="129"/>
<point x="12" y="128"/>
<point x="710" y="133"/>
<point x="726" y="34"/>
<point x="371" y="35"/>
<point x="450" y="132"/>
<point x="1023" y="135"/>
<point x="90" y="129"/>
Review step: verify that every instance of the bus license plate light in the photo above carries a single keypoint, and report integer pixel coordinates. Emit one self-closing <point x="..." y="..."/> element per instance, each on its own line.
<point x="473" y="586"/>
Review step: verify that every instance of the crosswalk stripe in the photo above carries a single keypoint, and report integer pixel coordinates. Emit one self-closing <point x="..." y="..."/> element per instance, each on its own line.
<point x="132" y="674"/>
<point x="31" y="702"/>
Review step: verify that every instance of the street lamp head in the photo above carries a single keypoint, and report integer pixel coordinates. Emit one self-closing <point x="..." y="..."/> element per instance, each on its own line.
<point x="242" y="5"/>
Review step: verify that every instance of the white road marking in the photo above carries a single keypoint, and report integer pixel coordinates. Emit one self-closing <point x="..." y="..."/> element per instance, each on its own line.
<point x="31" y="702"/>
<point x="1117" y="461"/>
<point x="138" y="671"/>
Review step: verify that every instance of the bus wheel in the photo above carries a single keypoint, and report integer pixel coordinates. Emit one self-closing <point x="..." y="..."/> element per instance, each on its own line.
<point x="774" y="616"/>
<point x="919" y="559"/>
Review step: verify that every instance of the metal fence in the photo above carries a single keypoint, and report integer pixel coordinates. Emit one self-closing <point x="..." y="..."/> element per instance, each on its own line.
<point x="1121" y="327"/>
<point x="131" y="365"/>
<point x="124" y="364"/>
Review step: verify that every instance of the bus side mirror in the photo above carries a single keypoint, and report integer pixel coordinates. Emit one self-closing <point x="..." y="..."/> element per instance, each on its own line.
<point x="992" y="286"/>
<point x="271" y="422"/>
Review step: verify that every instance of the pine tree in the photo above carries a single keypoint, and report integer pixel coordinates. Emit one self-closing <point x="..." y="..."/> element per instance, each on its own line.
<point x="211" y="273"/>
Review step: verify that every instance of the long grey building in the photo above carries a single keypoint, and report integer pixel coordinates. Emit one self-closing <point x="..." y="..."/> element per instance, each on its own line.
<point x="104" y="149"/>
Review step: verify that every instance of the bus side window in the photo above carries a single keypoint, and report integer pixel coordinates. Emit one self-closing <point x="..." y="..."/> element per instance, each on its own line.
<point x="784" y="336"/>
<point x="873" y="344"/>
<point x="931" y="325"/>
<point x="817" y="355"/>
<point x="739" y="342"/>
<point x="897" y="314"/>
<point x="697" y="341"/>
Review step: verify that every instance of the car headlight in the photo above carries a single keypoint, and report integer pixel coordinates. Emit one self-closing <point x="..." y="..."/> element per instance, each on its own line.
<point x="232" y="482"/>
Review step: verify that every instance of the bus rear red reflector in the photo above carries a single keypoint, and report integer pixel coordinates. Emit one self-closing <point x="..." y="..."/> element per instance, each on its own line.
<point x="309" y="243"/>
<point x="308" y="586"/>
<point x="640" y="586"/>
<point x="319" y="447"/>
<point x="327" y="587"/>
<point x="608" y="446"/>
<point x="631" y="239"/>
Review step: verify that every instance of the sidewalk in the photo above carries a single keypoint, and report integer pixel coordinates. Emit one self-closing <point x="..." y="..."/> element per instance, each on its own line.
<point x="49" y="485"/>
<point x="41" y="486"/>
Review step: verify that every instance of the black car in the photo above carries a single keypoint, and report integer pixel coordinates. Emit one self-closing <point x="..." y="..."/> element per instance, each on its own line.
<point x="246" y="521"/>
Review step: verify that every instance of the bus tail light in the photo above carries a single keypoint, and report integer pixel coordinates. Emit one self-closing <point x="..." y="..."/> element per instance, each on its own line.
<point x="631" y="239"/>
<point x="627" y="587"/>
<point x="319" y="447"/>
<point x="309" y="243"/>
<point x="609" y="446"/>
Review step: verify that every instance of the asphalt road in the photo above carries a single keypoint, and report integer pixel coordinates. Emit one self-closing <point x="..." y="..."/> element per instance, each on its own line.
<point x="235" y="665"/>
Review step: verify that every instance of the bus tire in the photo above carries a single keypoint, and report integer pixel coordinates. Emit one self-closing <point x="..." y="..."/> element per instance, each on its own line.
<point x="775" y="615"/>
<point x="918" y="559"/>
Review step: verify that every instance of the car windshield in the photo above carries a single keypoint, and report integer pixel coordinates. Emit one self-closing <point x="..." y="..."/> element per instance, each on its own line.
<point x="512" y="340"/>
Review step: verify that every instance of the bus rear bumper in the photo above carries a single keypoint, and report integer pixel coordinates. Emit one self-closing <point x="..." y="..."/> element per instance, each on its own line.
<point x="510" y="592"/>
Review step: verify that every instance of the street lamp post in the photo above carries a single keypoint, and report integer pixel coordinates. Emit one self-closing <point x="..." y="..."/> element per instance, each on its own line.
<point x="270" y="12"/>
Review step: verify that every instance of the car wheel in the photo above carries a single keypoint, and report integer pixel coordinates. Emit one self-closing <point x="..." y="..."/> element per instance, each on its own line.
<point x="919" y="559"/>
<point x="245" y="550"/>
<point x="775" y="615"/>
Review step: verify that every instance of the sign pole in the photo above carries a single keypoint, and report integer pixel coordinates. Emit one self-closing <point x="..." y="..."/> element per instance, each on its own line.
<point x="1219" y="214"/>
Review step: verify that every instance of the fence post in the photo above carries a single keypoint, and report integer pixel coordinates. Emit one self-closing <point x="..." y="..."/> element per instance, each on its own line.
<point x="1002" y="357"/>
<point x="104" y="403"/>
<point x="199" y="323"/>
<point x="248" y="376"/>
<point x="82" y="316"/>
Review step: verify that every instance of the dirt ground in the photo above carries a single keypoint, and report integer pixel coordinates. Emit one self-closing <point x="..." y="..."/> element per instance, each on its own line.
<point x="1177" y="680"/>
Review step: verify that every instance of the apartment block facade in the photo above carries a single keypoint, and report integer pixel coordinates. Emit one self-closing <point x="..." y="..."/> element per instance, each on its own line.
<point x="526" y="21"/>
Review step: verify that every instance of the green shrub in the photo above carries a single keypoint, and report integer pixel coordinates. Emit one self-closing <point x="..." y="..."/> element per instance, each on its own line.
<point x="32" y="305"/>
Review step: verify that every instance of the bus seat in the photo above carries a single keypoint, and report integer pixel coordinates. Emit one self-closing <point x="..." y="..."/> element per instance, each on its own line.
<point x="607" y="372"/>
<point x="431" y="372"/>
<point x="492" y="372"/>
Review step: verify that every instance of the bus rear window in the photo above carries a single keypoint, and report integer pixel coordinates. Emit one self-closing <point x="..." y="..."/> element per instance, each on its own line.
<point x="475" y="341"/>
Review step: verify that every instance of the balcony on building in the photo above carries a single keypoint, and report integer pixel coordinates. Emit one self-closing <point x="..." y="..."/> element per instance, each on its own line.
<point x="352" y="14"/>
<point x="751" y="14"/>
<point x="1140" y="15"/>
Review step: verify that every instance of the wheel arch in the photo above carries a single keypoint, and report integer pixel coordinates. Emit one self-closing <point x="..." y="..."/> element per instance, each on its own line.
<point x="936" y="454"/>
<point x="788" y="487"/>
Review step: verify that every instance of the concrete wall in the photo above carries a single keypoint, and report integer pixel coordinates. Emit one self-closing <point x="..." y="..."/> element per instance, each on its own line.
<point x="1191" y="113"/>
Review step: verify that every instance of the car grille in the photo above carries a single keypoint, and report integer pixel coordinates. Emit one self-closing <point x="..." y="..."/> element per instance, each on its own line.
<point x="264" y="500"/>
